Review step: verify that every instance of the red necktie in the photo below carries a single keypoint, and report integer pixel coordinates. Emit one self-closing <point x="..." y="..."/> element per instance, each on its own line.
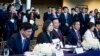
<point x="59" y="35"/>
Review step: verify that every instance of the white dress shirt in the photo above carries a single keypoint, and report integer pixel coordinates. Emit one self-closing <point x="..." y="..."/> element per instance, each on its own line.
<point x="65" y="15"/>
<point x="92" y="19"/>
<point x="12" y="20"/>
<point x="23" y="38"/>
<point x="56" y="30"/>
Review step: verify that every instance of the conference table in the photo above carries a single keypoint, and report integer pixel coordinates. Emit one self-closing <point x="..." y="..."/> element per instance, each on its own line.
<point x="90" y="53"/>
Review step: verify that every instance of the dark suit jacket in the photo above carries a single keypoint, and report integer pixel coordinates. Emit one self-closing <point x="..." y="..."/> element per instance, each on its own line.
<point x="47" y="16"/>
<point x="74" y="17"/>
<point x="15" y="44"/>
<point x="63" y="19"/>
<point x="97" y="34"/>
<point x="43" y="37"/>
<point x="72" y="37"/>
<point x="63" y="27"/>
<point x="10" y="28"/>
<point x="83" y="22"/>
<point x="56" y="35"/>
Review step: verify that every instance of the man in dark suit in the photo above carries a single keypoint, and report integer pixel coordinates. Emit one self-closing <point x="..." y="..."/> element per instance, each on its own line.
<point x="97" y="30"/>
<point x="50" y="15"/>
<point x="84" y="20"/>
<point x="2" y="22"/>
<point x="74" y="34"/>
<point x="47" y="15"/>
<point x="74" y="15"/>
<point x="65" y="20"/>
<point x="56" y="32"/>
<point x="10" y="27"/>
<point x="59" y="11"/>
<point x="19" y="42"/>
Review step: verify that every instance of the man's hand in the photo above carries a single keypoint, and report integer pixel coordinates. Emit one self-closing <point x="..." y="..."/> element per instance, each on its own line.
<point x="20" y="2"/>
<point x="13" y="2"/>
<point x="66" y="24"/>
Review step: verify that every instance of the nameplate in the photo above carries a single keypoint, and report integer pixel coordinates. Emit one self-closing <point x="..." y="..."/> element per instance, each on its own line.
<point x="79" y="50"/>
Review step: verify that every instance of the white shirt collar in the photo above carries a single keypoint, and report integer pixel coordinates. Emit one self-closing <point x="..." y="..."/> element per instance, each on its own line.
<point x="97" y="29"/>
<point x="12" y="20"/>
<point x="56" y="30"/>
<point x="49" y="12"/>
<point x="75" y="30"/>
<point x="22" y="37"/>
<point x="65" y="13"/>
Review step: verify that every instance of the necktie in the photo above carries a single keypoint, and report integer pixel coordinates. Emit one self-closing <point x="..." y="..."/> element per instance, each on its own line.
<point x="66" y="18"/>
<point x="84" y="17"/>
<point x="79" y="40"/>
<point x="59" y="35"/>
<point x="24" y="43"/>
<point x="78" y="35"/>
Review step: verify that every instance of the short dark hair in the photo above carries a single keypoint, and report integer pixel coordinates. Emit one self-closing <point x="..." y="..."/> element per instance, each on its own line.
<point x="97" y="23"/>
<point x="64" y="7"/>
<point x="55" y="19"/>
<point x="76" y="7"/>
<point x="91" y="12"/>
<point x="45" y="25"/>
<point x="59" y="7"/>
<point x="90" y="25"/>
<point x="26" y="26"/>
<point x="74" y="22"/>
<point x="49" y="7"/>
<point x="73" y="9"/>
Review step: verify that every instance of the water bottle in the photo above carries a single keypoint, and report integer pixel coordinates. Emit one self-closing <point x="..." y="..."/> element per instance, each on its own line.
<point x="6" y="52"/>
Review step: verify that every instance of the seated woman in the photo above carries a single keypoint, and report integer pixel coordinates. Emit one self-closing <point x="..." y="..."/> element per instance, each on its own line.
<point x="46" y="35"/>
<point x="89" y="33"/>
<point x="90" y="42"/>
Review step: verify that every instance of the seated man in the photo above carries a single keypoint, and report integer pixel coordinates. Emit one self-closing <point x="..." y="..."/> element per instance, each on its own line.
<point x="19" y="42"/>
<point x="56" y="31"/>
<point x="74" y="34"/>
<point x="97" y="30"/>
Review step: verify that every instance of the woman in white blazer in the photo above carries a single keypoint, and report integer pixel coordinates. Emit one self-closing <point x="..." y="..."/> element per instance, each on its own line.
<point x="89" y="33"/>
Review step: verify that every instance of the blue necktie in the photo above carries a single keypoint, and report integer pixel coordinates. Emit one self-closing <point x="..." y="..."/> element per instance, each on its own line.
<point x="24" y="43"/>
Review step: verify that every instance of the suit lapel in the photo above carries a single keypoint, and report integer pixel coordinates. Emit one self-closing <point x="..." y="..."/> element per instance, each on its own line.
<point x="19" y="42"/>
<point x="49" y="37"/>
<point x="55" y="33"/>
<point x="26" y="44"/>
<point x="75" y="34"/>
<point x="58" y="35"/>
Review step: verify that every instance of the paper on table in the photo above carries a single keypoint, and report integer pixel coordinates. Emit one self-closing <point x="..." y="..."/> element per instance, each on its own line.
<point x="79" y="50"/>
<point x="61" y="44"/>
<point x="68" y="46"/>
<point x="55" y="41"/>
<point x="59" y="52"/>
<point x="66" y="49"/>
<point x="29" y="54"/>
